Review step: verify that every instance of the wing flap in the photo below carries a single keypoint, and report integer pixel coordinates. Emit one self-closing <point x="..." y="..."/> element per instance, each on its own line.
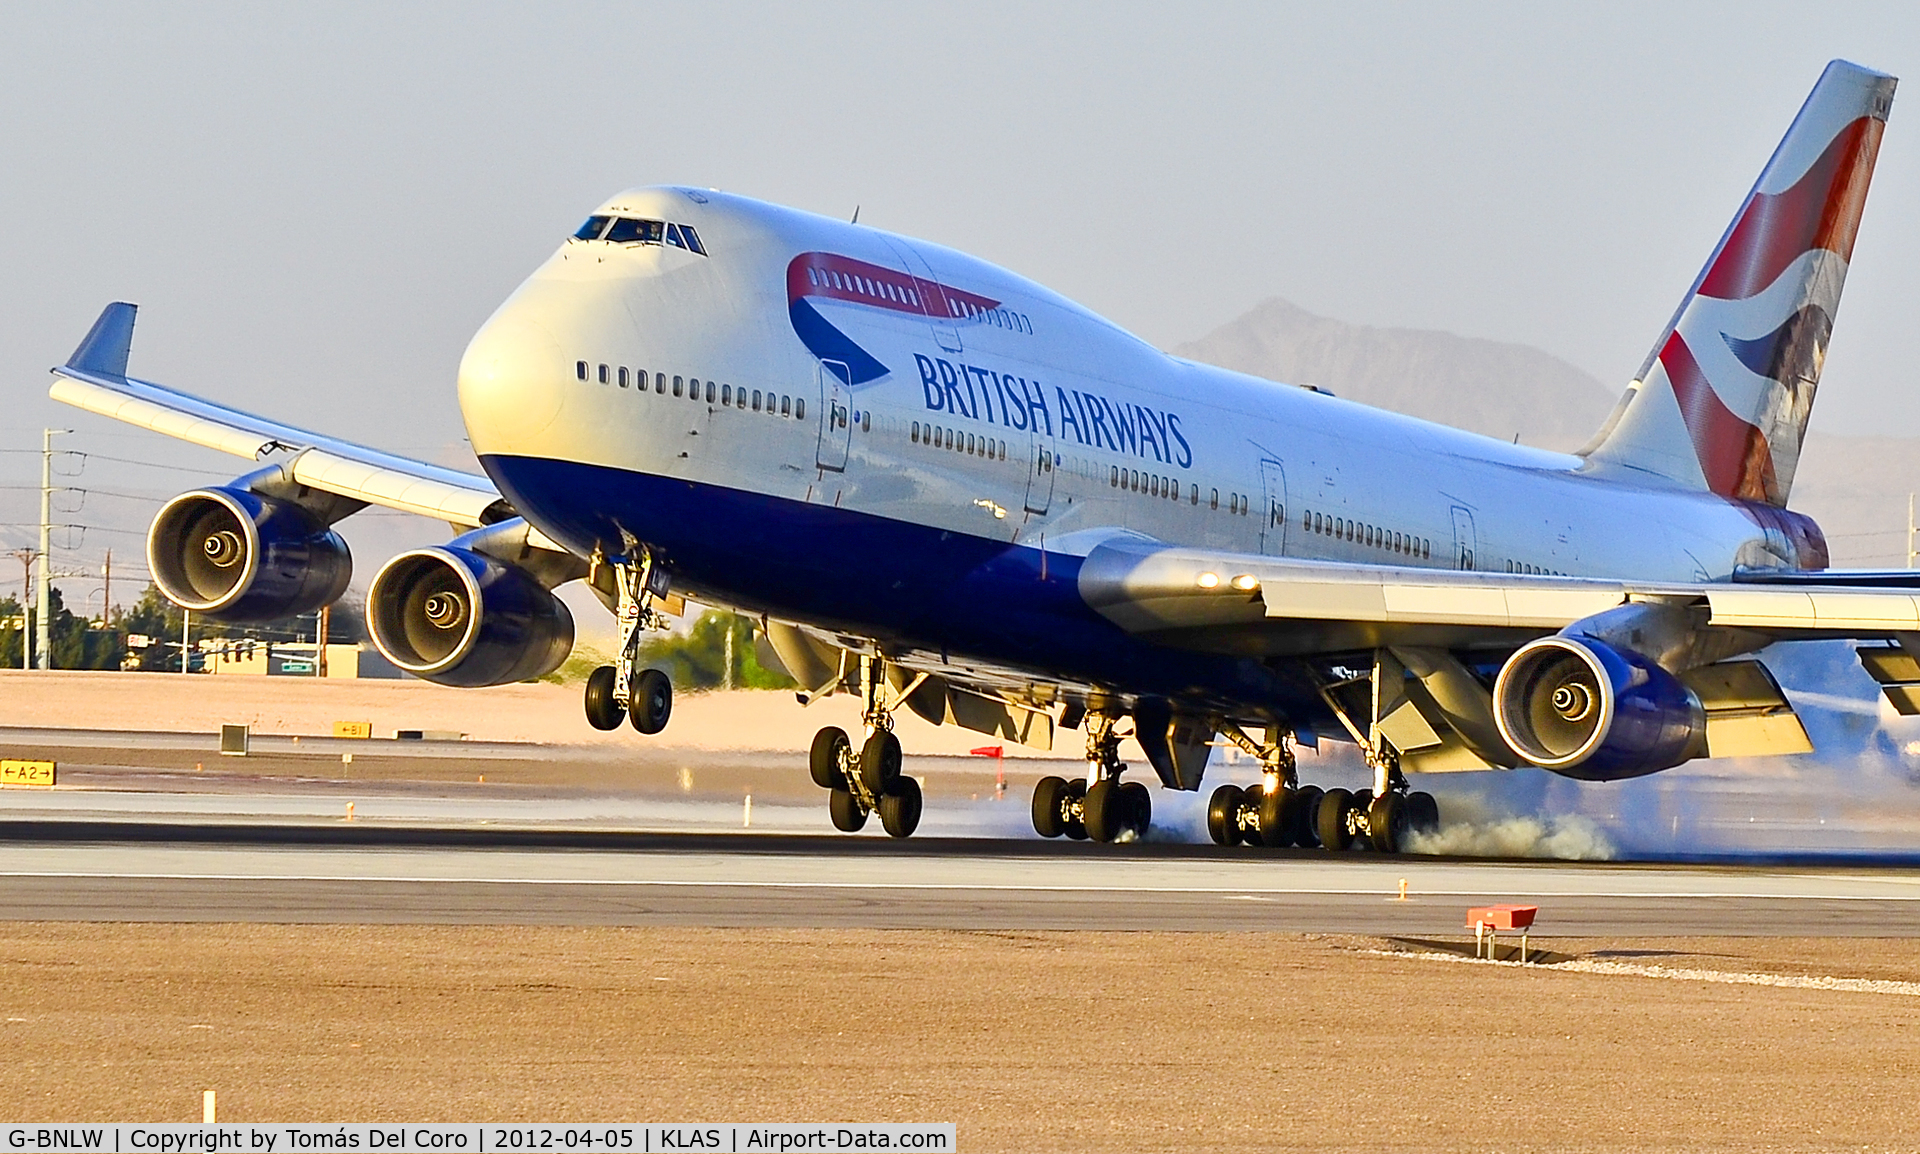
<point x="1211" y="600"/>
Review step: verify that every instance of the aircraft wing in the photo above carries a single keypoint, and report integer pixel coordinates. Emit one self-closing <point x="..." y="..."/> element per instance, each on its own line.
<point x="95" y="379"/>
<point x="1272" y="606"/>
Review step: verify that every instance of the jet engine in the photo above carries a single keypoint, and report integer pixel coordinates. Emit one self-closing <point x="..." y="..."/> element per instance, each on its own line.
<point x="455" y="616"/>
<point x="1585" y="709"/>
<point x="235" y="555"/>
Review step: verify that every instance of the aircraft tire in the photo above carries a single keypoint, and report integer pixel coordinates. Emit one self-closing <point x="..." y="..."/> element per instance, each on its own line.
<point x="1387" y="822"/>
<point x="1049" y="797"/>
<point x="845" y="810"/>
<point x="1276" y="818"/>
<point x="604" y="710"/>
<point x="879" y="762"/>
<point x="1423" y="813"/>
<point x="1306" y="808"/>
<point x="900" y="807"/>
<point x="1223" y="814"/>
<point x="652" y="701"/>
<point x="1139" y="808"/>
<point x="1104" y="813"/>
<point x="830" y="747"/>
<point x="1077" y="792"/>
<point x="1330" y="820"/>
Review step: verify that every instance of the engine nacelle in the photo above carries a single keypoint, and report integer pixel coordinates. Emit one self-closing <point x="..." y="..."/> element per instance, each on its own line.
<point x="1585" y="709"/>
<point x="235" y="555"/>
<point x="457" y="617"/>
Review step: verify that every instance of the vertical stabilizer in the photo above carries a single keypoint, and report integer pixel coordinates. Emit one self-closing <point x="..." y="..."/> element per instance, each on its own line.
<point x="1722" y="401"/>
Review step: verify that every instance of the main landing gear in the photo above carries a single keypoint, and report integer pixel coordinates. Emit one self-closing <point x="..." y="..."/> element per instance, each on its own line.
<point x="617" y="691"/>
<point x="1101" y="807"/>
<point x="862" y="782"/>
<point x="1280" y="812"/>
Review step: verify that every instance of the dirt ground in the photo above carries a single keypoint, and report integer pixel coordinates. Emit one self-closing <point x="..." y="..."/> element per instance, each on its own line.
<point x="1028" y="1041"/>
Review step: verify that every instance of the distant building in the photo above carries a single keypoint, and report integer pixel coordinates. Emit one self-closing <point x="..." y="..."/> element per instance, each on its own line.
<point x="249" y="658"/>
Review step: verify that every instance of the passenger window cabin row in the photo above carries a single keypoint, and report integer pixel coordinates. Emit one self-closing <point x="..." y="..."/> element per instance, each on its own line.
<point x="1372" y="536"/>
<point x="959" y="441"/>
<point x="1168" y="488"/>
<point x="692" y="388"/>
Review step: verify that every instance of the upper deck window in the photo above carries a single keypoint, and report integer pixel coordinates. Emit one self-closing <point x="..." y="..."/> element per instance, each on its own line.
<point x="593" y="228"/>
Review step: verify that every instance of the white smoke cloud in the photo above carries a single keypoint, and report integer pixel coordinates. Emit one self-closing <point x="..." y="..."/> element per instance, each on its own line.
<point x="1569" y="838"/>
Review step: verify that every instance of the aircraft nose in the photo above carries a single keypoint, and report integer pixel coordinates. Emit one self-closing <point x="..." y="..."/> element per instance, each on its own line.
<point x="512" y="382"/>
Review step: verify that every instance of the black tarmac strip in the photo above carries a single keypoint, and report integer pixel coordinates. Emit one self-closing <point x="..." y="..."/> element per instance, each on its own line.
<point x="64" y="831"/>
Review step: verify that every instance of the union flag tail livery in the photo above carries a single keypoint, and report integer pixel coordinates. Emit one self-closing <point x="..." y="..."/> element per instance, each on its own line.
<point x="1723" y="399"/>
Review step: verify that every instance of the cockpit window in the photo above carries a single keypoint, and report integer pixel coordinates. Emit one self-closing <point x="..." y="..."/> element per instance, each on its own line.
<point x="626" y="230"/>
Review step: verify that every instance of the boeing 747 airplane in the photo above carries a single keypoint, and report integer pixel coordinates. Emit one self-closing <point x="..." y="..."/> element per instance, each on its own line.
<point x="943" y="488"/>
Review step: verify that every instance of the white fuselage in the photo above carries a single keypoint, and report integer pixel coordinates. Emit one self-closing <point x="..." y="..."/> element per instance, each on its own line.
<point x="1209" y="457"/>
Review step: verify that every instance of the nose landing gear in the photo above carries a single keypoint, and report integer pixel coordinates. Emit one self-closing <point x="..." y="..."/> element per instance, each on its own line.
<point x="1101" y="807"/>
<point x="616" y="692"/>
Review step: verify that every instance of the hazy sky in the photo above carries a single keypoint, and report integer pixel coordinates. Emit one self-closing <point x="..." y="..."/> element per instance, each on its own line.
<point x="316" y="205"/>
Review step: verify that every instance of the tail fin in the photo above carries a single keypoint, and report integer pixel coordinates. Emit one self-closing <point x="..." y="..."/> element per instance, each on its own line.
<point x="1722" y="401"/>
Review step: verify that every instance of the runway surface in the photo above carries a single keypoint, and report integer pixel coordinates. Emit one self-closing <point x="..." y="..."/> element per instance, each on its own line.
<point x="302" y="871"/>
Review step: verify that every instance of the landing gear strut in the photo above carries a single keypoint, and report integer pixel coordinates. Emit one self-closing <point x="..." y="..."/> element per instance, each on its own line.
<point x="1277" y="812"/>
<point x="1280" y="812"/>
<point x="862" y="782"/>
<point x="616" y="692"/>
<point x="1101" y="807"/>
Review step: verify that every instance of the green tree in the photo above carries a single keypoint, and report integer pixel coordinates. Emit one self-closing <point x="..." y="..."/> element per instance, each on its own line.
<point x="697" y="659"/>
<point x="75" y="643"/>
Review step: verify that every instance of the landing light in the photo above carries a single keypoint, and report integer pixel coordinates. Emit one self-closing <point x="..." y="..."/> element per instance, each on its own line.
<point x="1209" y="580"/>
<point x="1246" y="582"/>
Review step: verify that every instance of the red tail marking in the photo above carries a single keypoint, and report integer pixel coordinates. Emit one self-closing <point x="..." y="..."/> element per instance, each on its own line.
<point x="1733" y="454"/>
<point x="1821" y="210"/>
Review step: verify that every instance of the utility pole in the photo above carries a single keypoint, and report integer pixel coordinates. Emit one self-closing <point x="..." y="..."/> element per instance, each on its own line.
<point x="26" y="598"/>
<point x="323" y="621"/>
<point x="727" y="682"/>
<point x="186" y="640"/>
<point x="45" y="624"/>
<point x="106" y="592"/>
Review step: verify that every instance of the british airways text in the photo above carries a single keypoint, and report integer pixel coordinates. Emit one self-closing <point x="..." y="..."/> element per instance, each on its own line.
<point x="1015" y="401"/>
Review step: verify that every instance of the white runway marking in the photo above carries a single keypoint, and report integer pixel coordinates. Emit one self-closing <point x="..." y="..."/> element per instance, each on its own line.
<point x="1251" y="878"/>
<point x="1674" y="973"/>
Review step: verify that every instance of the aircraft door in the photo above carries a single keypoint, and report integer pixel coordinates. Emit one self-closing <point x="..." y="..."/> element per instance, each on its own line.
<point x="836" y="424"/>
<point x="1040" y="468"/>
<point x="1463" y="538"/>
<point x="1273" y="531"/>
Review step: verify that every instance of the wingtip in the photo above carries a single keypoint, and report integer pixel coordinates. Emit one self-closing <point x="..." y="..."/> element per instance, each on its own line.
<point x="105" y="349"/>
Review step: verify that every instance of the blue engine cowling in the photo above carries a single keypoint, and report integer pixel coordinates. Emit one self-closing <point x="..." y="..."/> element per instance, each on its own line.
<point x="453" y="616"/>
<point x="234" y="555"/>
<point x="1585" y="709"/>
